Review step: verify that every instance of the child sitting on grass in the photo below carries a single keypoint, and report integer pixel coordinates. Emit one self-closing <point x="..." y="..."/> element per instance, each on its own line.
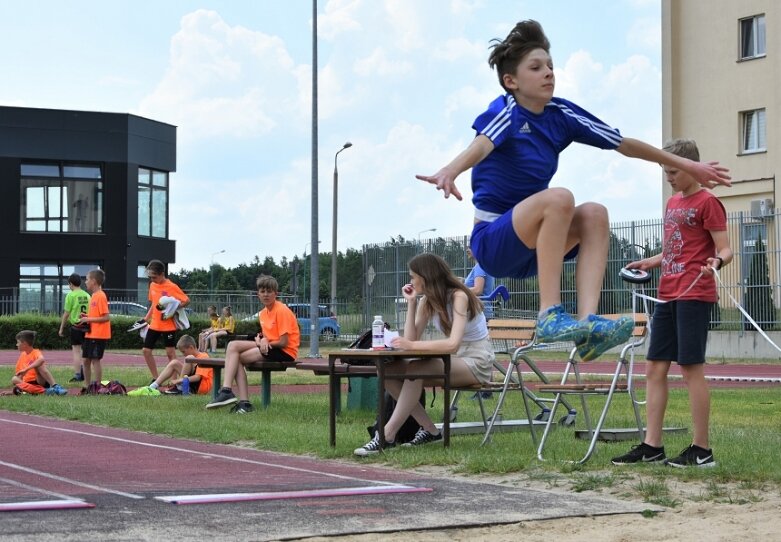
<point x="200" y="378"/>
<point x="32" y="376"/>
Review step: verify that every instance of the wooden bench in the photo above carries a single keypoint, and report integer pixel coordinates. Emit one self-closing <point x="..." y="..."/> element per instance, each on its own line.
<point x="265" y="368"/>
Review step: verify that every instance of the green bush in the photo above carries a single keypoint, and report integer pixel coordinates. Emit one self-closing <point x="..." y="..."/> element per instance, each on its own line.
<point x="46" y="328"/>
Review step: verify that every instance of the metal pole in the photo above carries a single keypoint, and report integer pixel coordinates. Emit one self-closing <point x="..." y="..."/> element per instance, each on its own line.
<point x="314" y="311"/>
<point x="333" y="229"/>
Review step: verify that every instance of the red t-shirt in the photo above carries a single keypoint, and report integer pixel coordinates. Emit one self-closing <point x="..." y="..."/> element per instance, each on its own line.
<point x="688" y="222"/>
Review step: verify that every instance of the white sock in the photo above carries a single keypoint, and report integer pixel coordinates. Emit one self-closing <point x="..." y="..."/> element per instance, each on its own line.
<point x="154" y="385"/>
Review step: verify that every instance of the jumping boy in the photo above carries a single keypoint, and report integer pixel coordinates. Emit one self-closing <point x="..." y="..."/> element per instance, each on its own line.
<point x="513" y="158"/>
<point x="99" y="328"/>
<point x="76" y="305"/>
<point x="201" y="378"/>
<point x="695" y="243"/>
<point x="31" y="375"/>
<point x="160" y="286"/>
<point x="278" y="340"/>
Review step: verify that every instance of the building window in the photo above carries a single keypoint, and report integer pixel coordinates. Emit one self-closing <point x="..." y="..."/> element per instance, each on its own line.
<point x="62" y="198"/>
<point x="753" y="136"/>
<point x="42" y="286"/>
<point x="152" y="203"/>
<point x="752" y="37"/>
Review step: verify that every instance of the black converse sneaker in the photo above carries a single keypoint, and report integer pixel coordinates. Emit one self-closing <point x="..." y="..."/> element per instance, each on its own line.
<point x="372" y="447"/>
<point x="423" y="437"/>
<point x="224" y="397"/>
<point x="641" y="453"/>
<point x="693" y="456"/>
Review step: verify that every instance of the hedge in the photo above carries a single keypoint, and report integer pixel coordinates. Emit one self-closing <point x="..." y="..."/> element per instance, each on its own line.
<point x="46" y="328"/>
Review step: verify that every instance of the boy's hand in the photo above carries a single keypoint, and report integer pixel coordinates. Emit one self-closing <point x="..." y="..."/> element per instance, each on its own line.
<point x="710" y="174"/>
<point x="639" y="264"/>
<point x="443" y="180"/>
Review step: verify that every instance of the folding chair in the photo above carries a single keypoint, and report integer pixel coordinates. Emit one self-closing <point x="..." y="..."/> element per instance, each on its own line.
<point x="518" y="336"/>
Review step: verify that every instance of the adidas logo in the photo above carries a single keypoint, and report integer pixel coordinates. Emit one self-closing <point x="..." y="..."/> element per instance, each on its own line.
<point x="525" y="128"/>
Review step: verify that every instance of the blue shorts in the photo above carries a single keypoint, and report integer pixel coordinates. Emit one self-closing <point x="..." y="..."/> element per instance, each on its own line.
<point x="501" y="253"/>
<point x="679" y="332"/>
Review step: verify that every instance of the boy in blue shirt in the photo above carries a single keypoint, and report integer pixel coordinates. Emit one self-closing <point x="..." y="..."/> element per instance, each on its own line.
<point x="513" y="159"/>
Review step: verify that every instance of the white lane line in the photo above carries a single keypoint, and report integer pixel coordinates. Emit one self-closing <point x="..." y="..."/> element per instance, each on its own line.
<point x="202" y="454"/>
<point x="70" y="481"/>
<point x="36" y="489"/>
<point x="64" y="501"/>
<point x="304" y="494"/>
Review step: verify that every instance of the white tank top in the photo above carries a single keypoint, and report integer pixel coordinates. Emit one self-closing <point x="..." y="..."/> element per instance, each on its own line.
<point x="475" y="329"/>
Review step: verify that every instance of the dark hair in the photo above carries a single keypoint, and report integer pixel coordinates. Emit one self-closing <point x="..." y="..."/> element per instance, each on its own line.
<point x="26" y="336"/>
<point x="99" y="275"/>
<point x="506" y="54"/>
<point x="266" y="282"/>
<point x="228" y="308"/>
<point x="156" y="266"/>
<point x="686" y="148"/>
<point x="74" y="279"/>
<point x="439" y="283"/>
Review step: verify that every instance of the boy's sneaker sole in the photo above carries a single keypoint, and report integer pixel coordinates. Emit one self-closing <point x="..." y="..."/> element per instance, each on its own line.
<point x="224" y="402"/>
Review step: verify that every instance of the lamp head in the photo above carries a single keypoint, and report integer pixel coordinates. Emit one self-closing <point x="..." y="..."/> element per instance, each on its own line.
<point x="347" y="145"/>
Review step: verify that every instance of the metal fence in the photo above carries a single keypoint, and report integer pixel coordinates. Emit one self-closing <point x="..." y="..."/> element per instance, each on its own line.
<point x="753" y="279"/>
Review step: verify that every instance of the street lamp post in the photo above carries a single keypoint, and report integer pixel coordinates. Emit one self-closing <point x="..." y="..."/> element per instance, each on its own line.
<point x="308" y="244"/>
<point x="333" y="228"/>
<point x="424" y="231"/>
<point x="211" y="269"/>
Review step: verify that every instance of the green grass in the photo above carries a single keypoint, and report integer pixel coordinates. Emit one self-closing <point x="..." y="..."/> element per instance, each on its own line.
<point x="744" y="435"/>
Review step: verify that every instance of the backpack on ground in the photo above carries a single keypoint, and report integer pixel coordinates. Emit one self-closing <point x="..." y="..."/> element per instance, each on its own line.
<point x="410" y="426"/>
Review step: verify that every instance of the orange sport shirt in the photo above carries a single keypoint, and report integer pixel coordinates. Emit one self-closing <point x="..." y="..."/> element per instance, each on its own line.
<point x="98" y="306"/>
<point x="156" y="291"/>
<point x="206" y="373"/>
<point x="25" y="360"/>
<point x="276" y="322"/>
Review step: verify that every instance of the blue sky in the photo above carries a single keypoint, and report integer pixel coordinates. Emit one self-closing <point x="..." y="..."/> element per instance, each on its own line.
<point x="401" y="79"/>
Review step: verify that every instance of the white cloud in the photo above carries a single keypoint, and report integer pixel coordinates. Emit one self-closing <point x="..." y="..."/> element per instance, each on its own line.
<point x="378" y="63"/>
<point x="223" y="80"/>
<point x="645" y="33"/>
<point x="340" y="16"/>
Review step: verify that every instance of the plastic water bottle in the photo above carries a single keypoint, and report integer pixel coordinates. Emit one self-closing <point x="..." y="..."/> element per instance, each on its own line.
<point x="186" y="385"/>
<point x="378" y="333"/>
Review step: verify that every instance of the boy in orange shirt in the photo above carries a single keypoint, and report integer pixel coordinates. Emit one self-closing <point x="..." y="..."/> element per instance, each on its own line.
<point x="278" y="340"/>
<point x="99" y="328"/>
<point x="31" y="374"/>
<point x="201" y="378"/>
<point x="159" y="286"/>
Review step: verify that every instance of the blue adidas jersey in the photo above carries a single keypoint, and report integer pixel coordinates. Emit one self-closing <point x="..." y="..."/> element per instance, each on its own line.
<point x="526" y="149"/>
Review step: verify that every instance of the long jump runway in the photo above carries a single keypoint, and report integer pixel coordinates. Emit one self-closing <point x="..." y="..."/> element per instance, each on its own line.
<point x="64" y="480"/>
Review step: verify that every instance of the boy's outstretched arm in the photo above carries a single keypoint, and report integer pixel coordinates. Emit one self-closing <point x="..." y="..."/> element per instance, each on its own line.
<point x="445" y="178"/>
<point x="708" y="174"/>
<point x="646" y="263"/>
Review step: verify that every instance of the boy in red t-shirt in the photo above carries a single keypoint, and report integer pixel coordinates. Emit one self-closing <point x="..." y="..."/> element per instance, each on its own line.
<point x="278" y="340"/>
<point x="695" y="243"/>
<point x="201" y="378"/>
<point x="31" y="375"/>
<point x="160" y="286"/>
<point x="99" y="333"/>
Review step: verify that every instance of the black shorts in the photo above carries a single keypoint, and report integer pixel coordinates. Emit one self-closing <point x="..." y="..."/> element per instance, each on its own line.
<point x="169" y="338"/>
<point x="679" y="332"/>
<point x="93" y="348"/>
<point x="277" y="354"/>
<point x="77" y="335"/>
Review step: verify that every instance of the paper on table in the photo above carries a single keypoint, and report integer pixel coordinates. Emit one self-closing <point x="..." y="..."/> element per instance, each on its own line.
<point x="389" y="336"/>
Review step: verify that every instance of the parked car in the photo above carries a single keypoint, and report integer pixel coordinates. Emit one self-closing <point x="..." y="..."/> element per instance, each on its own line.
<point x="127" y="308"/>
<point x="327" y="324"/>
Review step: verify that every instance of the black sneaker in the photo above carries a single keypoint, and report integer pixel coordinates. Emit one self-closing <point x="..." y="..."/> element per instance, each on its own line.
<point x="423" y="437"/>
<point x="225" y="397"/>
<point x="242" y="407"/>
<point x="693" y="456"/>
<point x="482" y="395"/>
<point x="642" y="453"/>
<point x="373" y="446"/>
<point x="172" y="390"/>
<point x="77" y="377"/>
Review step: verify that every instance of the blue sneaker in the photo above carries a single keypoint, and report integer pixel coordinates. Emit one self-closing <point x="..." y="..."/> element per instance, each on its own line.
<point x="59" y="390"/>
<point x="603" y="334"/>
<point x="555" y="325"/>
